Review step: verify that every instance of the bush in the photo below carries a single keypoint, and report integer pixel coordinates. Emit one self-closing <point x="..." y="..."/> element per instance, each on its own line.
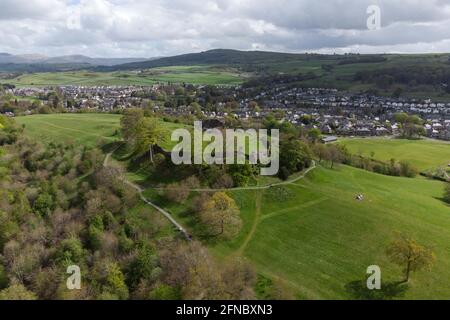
<point x="284" y="173"/>
<point x="17" y="292"/>
<point x="165" y="292"/>
<point x="447" y="193"/>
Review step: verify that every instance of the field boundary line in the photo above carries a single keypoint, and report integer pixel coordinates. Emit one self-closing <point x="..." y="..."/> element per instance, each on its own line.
<point x="287" y="210"/>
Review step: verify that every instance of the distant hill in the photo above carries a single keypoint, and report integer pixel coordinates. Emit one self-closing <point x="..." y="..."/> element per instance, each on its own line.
<point x="41" y="63"/>
<point x="218" y="57"/>
<point x="93" y="61"/>
<point x="41" y="67"/>
<point x="247" y="60"/>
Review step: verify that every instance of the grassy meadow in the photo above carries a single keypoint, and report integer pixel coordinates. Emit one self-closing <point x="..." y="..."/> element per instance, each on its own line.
<point x="208" y="75"/>
<point x="81" y="128"/>
<point x="318" y="240"/>
<point x="424" y="154"/>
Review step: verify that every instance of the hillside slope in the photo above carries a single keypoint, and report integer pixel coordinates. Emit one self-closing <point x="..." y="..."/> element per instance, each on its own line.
<point x="318" y="240"/>
<point x="218" y="57"/>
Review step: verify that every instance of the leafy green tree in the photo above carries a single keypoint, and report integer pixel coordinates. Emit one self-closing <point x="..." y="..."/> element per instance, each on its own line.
<point x="314" y="135"/>
<point x="407" y="170"/>
<point x="447" y="193"/>
<point x="321" y="151"/>
<point x="17" y="292"/>
<point x="410" y="255"/>
<point x="143" y="267"/>
<point x="129" y="123"/>
<point x="149" y="133"/>
<point x="411" y="125"/>
<point x="44" y="204"/>
<point x="294" y="155"/>
<point x="115" y="282"/>
<point x="221" y="216"/>
<point x="242" y="175"/>
<point x="335" y="154"/>
<point x="3" y="277"/>
<point x="70" y="251"/>
<point x="165" y="292"/>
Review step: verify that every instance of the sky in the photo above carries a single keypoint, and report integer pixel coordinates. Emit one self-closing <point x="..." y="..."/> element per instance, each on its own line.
<point x="153" y="28"/>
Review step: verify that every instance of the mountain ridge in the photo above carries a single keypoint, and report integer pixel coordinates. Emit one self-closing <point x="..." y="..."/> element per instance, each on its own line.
<point x="7" y="58"/>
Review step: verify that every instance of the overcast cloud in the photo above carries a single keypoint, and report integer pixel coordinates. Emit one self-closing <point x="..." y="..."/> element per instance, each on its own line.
<point x="148" y="28"/>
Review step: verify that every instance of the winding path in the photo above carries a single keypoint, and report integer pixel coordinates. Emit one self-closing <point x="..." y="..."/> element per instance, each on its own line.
<point x="182" y="229"/>
<point x="283" y="183"/>
<point x="143" y="198"/>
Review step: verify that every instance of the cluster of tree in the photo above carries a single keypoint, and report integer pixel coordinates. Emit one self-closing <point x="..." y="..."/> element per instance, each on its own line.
<point x="336" y="153"/>
<point x="333" y="153"/>
<point x="60" y="207"/>
<point x="354" y="59"/>
<point x="279" y="79"/>
<point x="447" y="193"/>
<point x="9" y="131"/>
<point x="411" y="126"/>
<point x="437" y="174"/>
<point x="44" y="105"/>
<point x="144" y="135"/>
<point x="392" y="168"/>
<point x="411" y="76"/>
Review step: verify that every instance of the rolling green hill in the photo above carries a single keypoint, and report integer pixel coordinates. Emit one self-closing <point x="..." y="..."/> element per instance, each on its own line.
<point x="316" y="238"/>
<point x="208" y="75"/>
<point x="415" y="76"/>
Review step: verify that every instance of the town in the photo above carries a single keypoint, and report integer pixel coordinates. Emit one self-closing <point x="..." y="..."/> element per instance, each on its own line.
<point x="331" y="111"/>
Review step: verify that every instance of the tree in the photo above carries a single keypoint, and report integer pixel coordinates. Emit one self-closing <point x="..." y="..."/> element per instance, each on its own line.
<point x="165" y="292"/>
<point x="129" y="123"/>
<point x="411" y="125"/>
<point x="334" y="154"/>
<point x="410" y="255"/>
<point x="253" y="105"/>
<point x="397" y="92"/>
<point x="188" y="266"/>
<point x="144" y="267"/>
<point x="149" y="132"/>
<point x="447" y="193"/>
<point x="407" y="170"/>
<point x="115" y="282"/>
<point x="44" y="204"/>
<point x="221" y="216"/>
<point x="176" y="193"/>
<point x="17" y="292"/>
<point x="321" y="151"/>
<point x="314" y="135"/>
<point x="294" y="155"/>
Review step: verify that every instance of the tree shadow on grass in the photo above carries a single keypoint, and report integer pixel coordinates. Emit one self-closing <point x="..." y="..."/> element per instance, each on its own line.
<point x="389" y="290"/>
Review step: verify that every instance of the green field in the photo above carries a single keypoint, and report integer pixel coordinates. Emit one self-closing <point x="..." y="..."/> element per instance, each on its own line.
<point x="209" y="75"/>
<point x="424" y="154"/>
<point x="317" y="239"/>
<point x="84" y="128"/>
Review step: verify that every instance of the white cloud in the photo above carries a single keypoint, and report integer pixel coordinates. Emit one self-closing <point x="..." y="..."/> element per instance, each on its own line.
<point x="158" y="27"/>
